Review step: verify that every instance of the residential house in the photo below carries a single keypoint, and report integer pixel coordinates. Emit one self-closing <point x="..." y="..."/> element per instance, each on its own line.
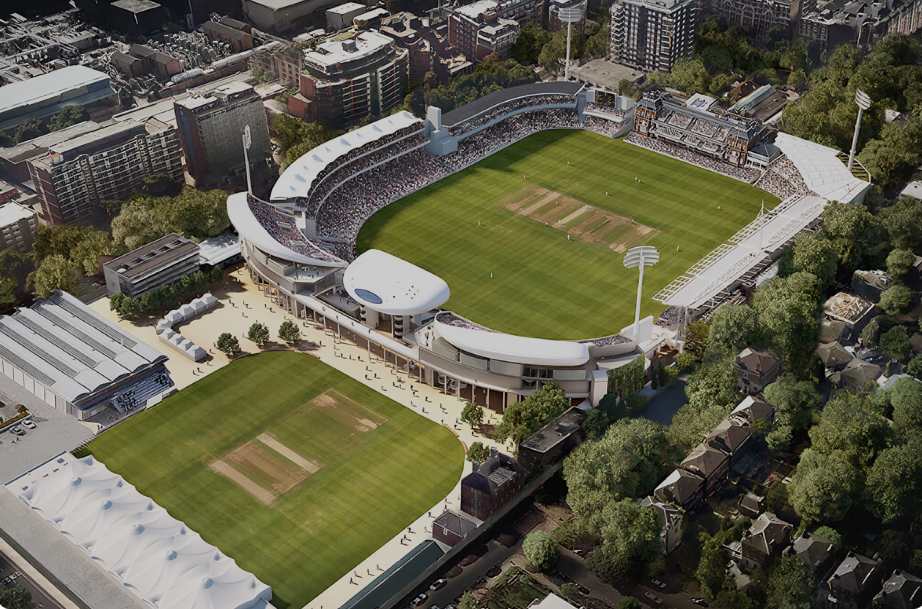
<point x="763" y="542"/>
<point x="709" y="463"/>
<point x="834" y="330"/>
<point x="857" y="375"/>
<point x="853" y="582"/>
<point x="450" y="527"/>
<point x="671" y="519"/>
<point x="754" y="411"/>
<point x="682" y="488"/>
<point x="751" y="505"/>
<point x="489" y="486"/>
<point x="870" y="284"/>
<point x="553" y="442"/>
<point x="816" y="553"/>
<point x="730" y="436"/>
<point x="901" y="591"/>
<point x="756" y="369"/>
<point x="834" y="356"/>
<point x="854" y="311"/>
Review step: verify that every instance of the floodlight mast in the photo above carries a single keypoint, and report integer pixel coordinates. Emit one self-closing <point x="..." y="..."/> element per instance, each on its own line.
<point x="863" y="101"/>
<point x="570" y="15"/>
<point x="247" y="142"/>
<point x="640" y="257"/>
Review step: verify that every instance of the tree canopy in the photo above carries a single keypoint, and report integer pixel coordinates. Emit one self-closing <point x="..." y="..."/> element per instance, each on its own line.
<point x="733" y="327"/>
<point x="540" y="550"/>
<point x="894" y="482"/>
<point x="197" y="214"/>
<point x="55" y="273"/>
<point x="824" y="487"/>
<point x="629" y="540"/>
<point x="788" y="309"/>
<point x="795" y="401"/>
<point x="522" y="419"/>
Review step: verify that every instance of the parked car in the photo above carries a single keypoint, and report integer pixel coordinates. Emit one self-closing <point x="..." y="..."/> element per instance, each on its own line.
<point x="657" y="583"/>
<point x="29" y="424"/>
<point x="653" y="598"/>
<point x="438" y="584"/>
<point x="699" y="601"/>
<point x="582" y="589"/>
<point x="16" y="429"/>
<point x="419" y="600"/>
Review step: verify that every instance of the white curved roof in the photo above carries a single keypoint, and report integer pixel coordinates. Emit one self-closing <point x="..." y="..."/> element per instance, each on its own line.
<point x="516" y="349"/>
<point x="392" y="285"/>
<point x="297" y="178"/>
<point x="822" y="169"/>
<point x="250" y="229"/>
<point x="152" y="555"/>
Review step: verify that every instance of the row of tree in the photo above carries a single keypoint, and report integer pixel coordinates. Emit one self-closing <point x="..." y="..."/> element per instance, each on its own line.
<point x="258" y="332"/>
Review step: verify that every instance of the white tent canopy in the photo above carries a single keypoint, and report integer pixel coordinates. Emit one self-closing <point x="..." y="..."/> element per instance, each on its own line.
<point x="153" y="555"/>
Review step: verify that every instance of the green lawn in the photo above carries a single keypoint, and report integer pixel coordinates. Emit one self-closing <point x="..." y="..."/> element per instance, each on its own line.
<point x="543" y="284"/>
<point x="370" y="485"/>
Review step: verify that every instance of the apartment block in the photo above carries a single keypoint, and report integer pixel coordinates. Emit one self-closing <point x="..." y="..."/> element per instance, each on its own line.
<point x="651" y="35"/>
<point x="211" y="130"/>
<point x="17" y="227"/>
<point x="75" y="177"/>
<point x="480" y="29"/>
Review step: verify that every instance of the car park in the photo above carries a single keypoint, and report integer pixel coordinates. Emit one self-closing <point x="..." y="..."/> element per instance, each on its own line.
<point x="16" y="429"/>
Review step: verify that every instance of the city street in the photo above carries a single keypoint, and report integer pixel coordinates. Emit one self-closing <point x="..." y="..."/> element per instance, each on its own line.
<point x="40" y="599"/>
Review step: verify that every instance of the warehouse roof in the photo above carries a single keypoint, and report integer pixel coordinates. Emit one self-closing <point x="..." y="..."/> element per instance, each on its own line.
<point x="47" y="86"/>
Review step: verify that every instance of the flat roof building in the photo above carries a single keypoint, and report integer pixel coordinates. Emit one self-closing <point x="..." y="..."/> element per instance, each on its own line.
<point x="211" y="127"/>
<point x="482" y="28"/>
<point x="651" y="35"/>
<point x="281" y="16"/>
<point x="151" y="266"/>
<point x="72" y="359"/>
<point x="17" y="227"/>
<point x="76" y="176"/>
<point x="43" y="96"/>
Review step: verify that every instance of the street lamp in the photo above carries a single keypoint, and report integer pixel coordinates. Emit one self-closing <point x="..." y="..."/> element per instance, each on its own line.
<point x="863" y="101"/>
<point x="640" y="257"/>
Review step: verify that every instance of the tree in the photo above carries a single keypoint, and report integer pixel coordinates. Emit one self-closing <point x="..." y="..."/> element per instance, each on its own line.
<point x="228" y="344"/>
<point x="896" y="299"/>
<point x="901" y="221"/>
<point x="689" y="75"/>
<point x="472" y="414"/>
<point x="894" y="343"/>
<point x="259" y="334"/>
<point x="899" y="262"/>
<point x="477" y="452"/>
<point x="68" y="116"/>
<point x="554" y="52"/>
<point x="55" y="273"/>
<point x="628" y="461"/>
<point x="528" y="44"/>
<point x="850" y="426"/>
<point x="15" y="267"/>
<point x="791" y="585"/>
<point x="289" y="332"/>
<point x="522" y="419"/>
<point x="794" y="401"/>
<point x="629" y="540"/>
<point x="595" y="423"/>
<point x="87" y="252"/>
<point x="468" y="601"/>
<point x="857" y="236"/>
<point x="824" y="487"/>
<point x="829" y="535"/>
<point x="914" y="367"/>
<point x="815" y="254"/>
<point x="906" y="399"/>
<point x="894" y="483"/>
<point x="16" y="597"/>
<point x="733" y="328"/>
<point x="712" y="393"/>
<point x="540" y="550"/>
<point x="712" y="565"/>
<point x="696" y="338"/>
<point x="198" y="214"/>
<point x="629" y="602"/>
<point x="787" y="308"/>
<point x="7" y="293"/>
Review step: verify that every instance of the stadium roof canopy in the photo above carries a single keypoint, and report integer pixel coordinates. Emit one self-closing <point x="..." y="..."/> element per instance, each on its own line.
<point x="148" y="552"/>
<point x="298" y="177"/>
<point x="822" y="169"/>
<point x="482" y="104"/>
<point x="515" y="349"/>
<point x="63" y="344"/>
<point x="391" y="285"/>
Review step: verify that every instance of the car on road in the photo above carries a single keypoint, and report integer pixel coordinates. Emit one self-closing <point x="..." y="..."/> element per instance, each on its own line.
<point x="438" y="584"/>
<point x="29" y="424"/>
<point x="699" y="601"/>
<point x="9" y="580"/>
<point x="657" y="583"/>
<point x="653" y="598"/>
<point x="419" y="600"/>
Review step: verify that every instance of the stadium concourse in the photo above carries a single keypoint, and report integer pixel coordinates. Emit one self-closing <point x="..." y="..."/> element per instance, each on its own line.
<point x="300" y="243"/>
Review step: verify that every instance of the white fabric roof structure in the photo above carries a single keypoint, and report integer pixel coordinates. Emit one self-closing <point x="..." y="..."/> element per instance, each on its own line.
<point x="731" y="260"/>
<point x="822" y="169"/>
<point x="515" y="349"/>
<point x="388" y="284"/>
<point x="153" y="555"/>
<point x="298" y="177"/>
<point x="216" y="250"/>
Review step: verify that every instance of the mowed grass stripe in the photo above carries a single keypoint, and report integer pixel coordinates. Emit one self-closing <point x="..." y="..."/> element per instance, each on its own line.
<point x="544" y="285"/>
<point x="370" y="486"/>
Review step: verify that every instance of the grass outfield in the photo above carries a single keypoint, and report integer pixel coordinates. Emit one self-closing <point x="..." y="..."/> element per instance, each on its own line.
<point x="380" y="466"/>
<point x="462" y="229"/>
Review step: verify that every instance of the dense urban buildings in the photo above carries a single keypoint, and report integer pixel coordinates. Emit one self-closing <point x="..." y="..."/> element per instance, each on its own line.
<point x="347" y="80"/>
<point x="153" y="265"/>
<point x="831" y="23"/>
<point x="76" y="177"/>
<point x="43" y="96"/>
<point x="758" y="17"/>
<point x="652" y="34"/>
<point x="281" y="16"/>
<point x="211" y="127"/>
<point x="17" y="227"/>
<point x="480" y="29"/>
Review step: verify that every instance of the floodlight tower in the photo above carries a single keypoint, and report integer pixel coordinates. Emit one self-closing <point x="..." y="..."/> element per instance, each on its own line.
<point x="863" y="101"/>
<point x="570" y="15"/>
<point x="640" y="257"/>
<point x="247" y="142"/>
